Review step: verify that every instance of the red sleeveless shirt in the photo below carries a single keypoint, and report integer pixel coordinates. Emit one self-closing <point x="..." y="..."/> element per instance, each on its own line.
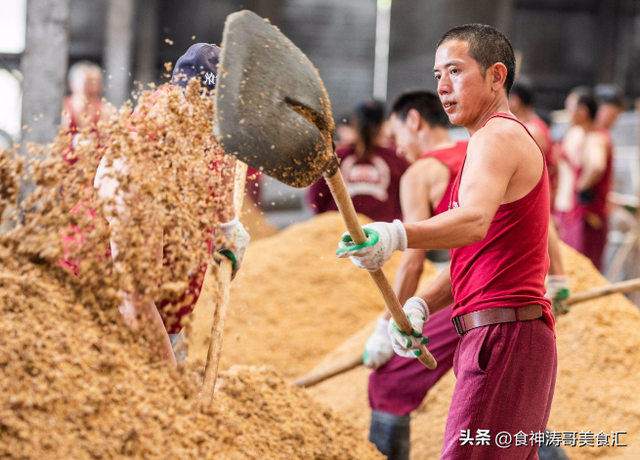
<point x="452" y="158"/>
<point x="508" y="267"/>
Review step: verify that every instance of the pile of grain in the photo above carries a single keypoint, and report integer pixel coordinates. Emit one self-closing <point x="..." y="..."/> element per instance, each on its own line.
<point x="598" y="374"/>
<point x="294" y="300"/>
<point x="75" y="381"/>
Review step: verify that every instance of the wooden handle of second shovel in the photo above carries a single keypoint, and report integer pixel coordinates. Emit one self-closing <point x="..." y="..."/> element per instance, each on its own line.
<point x="622" y="287"/>
<point x="224" y="285"/>
<point x="345" y="205"/>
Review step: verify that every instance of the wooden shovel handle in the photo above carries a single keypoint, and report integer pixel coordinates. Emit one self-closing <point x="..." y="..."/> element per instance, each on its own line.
<point x="345" y="205"/>
<point x="621" y="287"/>
<point x="320" y="375"/>
<point x="224" y="285"/>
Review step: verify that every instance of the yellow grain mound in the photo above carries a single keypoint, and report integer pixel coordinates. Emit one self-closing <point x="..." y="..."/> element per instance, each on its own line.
<point x="75" y="383"/>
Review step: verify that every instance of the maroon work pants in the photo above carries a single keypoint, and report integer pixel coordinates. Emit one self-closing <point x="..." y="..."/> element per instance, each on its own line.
<point x="506" y="374"/>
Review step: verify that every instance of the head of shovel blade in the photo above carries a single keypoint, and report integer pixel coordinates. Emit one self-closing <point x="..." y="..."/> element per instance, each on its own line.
<point x="272" y="110"/>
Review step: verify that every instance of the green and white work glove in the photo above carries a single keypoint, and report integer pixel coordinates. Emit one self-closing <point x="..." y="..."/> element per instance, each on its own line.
<point x="382" y="240"/>
<point x="378" y="350"/>
<point x="408" y="346"/>
<point x="235" y="242"/>
<point x="558" y="292"/>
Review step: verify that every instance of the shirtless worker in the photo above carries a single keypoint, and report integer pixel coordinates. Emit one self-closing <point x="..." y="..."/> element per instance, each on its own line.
<point x="162" y="317"/>
<point x="497" y="228"/>
<point x="419" y="126"/>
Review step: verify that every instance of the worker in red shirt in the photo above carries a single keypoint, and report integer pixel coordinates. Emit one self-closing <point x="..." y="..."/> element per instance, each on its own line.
<point x="162" y="317"/>
<point x="371" y="171"/>
<point x="84" y="107"/>
<point x="586" y="175"/>
<point x="521" y="104"/>
<point x="420" y="129"/>
<point x="611" y="104"/>
<point x="497" y="228"/>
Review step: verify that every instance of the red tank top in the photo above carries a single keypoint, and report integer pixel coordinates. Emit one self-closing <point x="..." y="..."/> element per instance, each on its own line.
<point x="452" y="158"/>
<point x="598" y="205"/>
<point x="507" y="268"/>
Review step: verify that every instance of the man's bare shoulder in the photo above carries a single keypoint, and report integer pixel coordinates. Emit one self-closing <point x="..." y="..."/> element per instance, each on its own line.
<point x="424" y="170"/>
<point x="501" y="135"/>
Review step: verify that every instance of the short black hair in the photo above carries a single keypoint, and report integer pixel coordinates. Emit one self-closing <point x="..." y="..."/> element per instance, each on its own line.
<point x="524" y="91"/>
<point x="426" y="103"/>
<point x="610" y="94"/>
<point x="586" y="98"/>
<point x="487" y="45"/>
<point x="367" y="119"/>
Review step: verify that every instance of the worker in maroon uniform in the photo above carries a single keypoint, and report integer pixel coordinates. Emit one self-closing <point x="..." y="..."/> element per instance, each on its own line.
<point x="611" y="104"/>
<point x="497" y="228"/>
<point x="585" y="169"/>
<point x="371" y="171"/>
<point x="161" y="316"/>
<point x="521" y="104"/>
<point x="398" y="385"/>
<point x="84" y="107"/>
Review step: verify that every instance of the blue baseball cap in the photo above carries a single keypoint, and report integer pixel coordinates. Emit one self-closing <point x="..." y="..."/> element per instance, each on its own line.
<point x="200" y="61"/>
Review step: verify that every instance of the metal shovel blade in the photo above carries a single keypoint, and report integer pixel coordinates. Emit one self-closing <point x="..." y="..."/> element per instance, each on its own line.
<point x="272" y="110"/>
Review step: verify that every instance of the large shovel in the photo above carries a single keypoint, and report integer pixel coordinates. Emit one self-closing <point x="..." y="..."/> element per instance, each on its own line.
<point x="273" y="113"/>
<point x="346" y="364"/>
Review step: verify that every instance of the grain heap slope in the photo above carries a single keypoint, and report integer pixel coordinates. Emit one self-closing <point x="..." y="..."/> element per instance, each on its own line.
<point x="75" y="383"/>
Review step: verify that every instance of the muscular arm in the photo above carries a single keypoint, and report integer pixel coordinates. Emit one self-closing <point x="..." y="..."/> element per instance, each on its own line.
<point x="491" y="163"/>
<point x="594" y="162"/>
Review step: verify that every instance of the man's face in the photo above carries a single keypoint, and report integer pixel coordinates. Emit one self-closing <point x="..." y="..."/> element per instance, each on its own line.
<point x="607" y="115"/>
<point x="463" y="91"/>
<point x="93" y="83"/>
<point x="578" y="113"/>
<point x="406" y="138"/>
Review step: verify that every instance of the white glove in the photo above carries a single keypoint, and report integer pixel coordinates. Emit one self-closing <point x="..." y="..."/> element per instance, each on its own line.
<point x="408" y="346"/>
<point x="236" y="240"/>
<point x="382" y="239"/>
<point x="378" y="350"/>
<point x="558" y="292"/>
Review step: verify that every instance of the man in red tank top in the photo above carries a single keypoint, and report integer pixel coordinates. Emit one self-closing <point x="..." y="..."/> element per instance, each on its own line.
<point x="497" y="228"/>
<point x="588" y="156"/>
<point x="419" y="125"/>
